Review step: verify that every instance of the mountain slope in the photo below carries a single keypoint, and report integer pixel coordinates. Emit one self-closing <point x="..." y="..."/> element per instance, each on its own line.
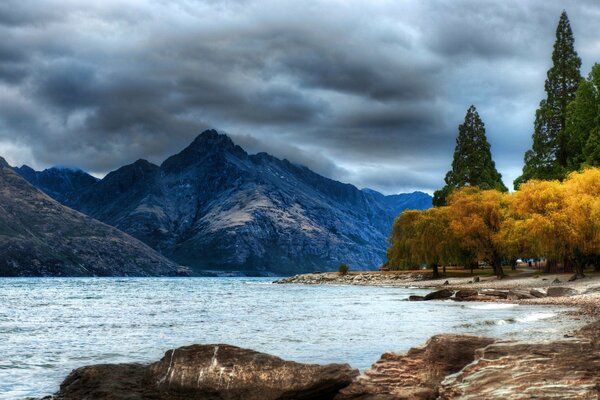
<point x="215" y="207"/>
<point x="40" y="237"/>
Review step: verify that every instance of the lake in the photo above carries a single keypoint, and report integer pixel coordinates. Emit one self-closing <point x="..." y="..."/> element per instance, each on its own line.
<point x="49" y="326"/>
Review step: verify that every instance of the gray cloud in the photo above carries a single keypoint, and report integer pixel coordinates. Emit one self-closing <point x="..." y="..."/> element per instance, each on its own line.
<point x="370" y="93"/>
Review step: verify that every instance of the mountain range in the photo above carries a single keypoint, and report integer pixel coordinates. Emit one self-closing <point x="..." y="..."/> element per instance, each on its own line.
<point x="41" y="237"/>
<point x="214" y="207"/>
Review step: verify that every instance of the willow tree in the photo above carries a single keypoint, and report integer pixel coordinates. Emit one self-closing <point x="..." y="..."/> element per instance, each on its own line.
<point x="548" y="156"/>
<point x="476" y="219"/>
<point x="423" y="237"/>
<point x="472" y="164"/>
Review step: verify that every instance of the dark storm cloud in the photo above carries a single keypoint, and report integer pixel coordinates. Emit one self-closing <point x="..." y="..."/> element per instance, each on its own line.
<point x="366" y="92"/>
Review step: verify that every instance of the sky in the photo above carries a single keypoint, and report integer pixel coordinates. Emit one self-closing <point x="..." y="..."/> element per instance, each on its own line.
<point x="365" y="92"/>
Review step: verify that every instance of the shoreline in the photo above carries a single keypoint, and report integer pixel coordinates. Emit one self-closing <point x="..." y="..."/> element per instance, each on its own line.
<point x="584" y="293"/>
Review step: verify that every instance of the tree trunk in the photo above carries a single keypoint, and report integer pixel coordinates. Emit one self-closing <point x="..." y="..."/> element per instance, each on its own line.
<point x="497" y="267"/>
<point x="444" y="269"/>
<point x="513" y="264"/>
<point x="551" y="266"/>
<point x="436" y="272"/>
<point x="567" y="264"/>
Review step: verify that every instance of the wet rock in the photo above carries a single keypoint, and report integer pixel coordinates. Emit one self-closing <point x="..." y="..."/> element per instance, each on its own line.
<point x="415" y="298"/>
<point x="476" y="279"/>
<point x="537" y="293"/>
<point x="105" y="381"/>
<point x="417" y="373"/>
<point x="494" y="293"/>
<point x="465" y="293"/>
<point x="211" y="372"/>
<point x="516" y="294"/>
<point x="439" y="294"/>
<point x="556" y="281"/>
<point x="446" y="283"/>
<point x="567" y="369"/>
<point x="560" y="291"/>
<point x="593" y="289"/>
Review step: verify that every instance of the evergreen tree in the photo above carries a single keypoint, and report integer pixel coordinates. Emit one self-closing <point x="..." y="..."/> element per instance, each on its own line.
<point x="583" y="117"/>
<point x="592" y="148"/>
<point x="548" y="156"/>
<point x="472" y="164"/>
<point x="581" y="120"/>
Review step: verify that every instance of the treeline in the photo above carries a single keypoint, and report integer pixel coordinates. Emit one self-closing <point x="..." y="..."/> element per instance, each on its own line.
<point x="559" y="221"/>
<point x="475" y="219"/>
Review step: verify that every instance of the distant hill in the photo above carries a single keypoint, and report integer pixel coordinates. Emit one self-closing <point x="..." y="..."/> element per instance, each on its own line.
<point x="215" y="207"/>
<point x="41" y="237"/>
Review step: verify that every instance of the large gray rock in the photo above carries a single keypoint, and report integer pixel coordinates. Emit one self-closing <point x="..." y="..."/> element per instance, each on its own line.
<point x="228" y="372"/>
<point x="208" y="372"/>
<point x="215" y="207"/>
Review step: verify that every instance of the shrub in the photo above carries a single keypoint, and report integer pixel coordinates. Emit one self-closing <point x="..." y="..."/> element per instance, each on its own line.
<point x="343" y="269"/>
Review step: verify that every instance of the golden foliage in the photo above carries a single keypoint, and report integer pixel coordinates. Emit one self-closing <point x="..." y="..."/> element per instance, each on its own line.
<point x="559" y="221"/>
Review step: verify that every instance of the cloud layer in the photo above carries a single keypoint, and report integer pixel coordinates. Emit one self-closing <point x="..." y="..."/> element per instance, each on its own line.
<point x="369" y="93"/>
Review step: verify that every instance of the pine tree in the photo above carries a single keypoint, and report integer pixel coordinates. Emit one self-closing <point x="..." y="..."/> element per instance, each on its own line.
<point x="548" y="156"/>
<point x="592" y="149"/>
<point x="581" y="120"/>
<point x="583" y="117"/>
<point x="472" y="164"/>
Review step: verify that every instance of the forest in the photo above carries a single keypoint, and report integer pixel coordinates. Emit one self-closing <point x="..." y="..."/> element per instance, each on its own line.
<point x="554" y="213"/>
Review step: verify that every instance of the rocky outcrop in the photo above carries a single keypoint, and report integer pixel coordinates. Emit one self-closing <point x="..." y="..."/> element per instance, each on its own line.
<point x="567" y="369"/>
<point x="416" y="374"/>
<point x="208" y="372"/>
<point x="215" y="207"/>
<point x="41" y="237"/>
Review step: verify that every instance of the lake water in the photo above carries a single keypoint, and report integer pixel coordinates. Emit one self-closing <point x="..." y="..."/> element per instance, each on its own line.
<point x="48" y="326"/>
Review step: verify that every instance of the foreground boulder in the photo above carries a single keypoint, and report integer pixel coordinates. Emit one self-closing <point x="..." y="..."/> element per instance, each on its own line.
<point x="566" y="369"/>
<point x="228" y="372"/>
<point x="417" y="373"/>
<point x="211" y="372"/>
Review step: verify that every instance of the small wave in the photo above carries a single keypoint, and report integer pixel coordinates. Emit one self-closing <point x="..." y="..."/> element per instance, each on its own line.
<point x="492" y="306"/>
<point x="258" y="283"/>
<point x="536" y="317"/>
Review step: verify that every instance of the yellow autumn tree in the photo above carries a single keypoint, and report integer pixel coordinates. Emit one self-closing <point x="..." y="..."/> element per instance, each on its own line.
<point x="583" y="211"/>
<point x="476" y="218"/>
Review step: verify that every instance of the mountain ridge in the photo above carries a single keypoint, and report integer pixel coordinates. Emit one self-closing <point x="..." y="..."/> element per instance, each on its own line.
<point x="212" y="206"/>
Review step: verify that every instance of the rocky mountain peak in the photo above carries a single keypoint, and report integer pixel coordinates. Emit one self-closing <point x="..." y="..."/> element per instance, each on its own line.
<point x="211" y="140"/>
<point x="3" y="163"/>
<point x="209" y="144"/>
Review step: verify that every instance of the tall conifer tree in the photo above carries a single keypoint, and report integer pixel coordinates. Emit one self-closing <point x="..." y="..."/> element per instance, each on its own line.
<point x="582" y="119"/>
<point x="548" y="156"/>
<point x="472" y="164"/>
